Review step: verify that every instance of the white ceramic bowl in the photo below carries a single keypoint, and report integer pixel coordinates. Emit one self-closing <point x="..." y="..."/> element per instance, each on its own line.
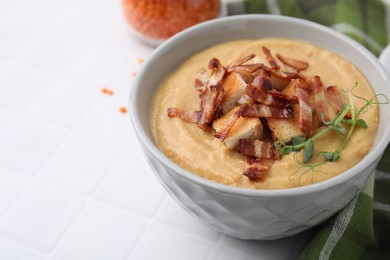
<point x="244" y="213"/>
<point x="384" y="58"/>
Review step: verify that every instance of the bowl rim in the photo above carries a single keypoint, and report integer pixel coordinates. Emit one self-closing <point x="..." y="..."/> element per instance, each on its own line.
<point x="152" y="148"/>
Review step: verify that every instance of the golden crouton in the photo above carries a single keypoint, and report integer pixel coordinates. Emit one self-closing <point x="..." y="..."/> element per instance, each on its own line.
<point x="244" y="128"/>
<point x="285" y="129"/>
<point x="234" y="89"/>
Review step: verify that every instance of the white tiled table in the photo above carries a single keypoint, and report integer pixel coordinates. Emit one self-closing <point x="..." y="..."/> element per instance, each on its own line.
<point x="73" y="181"/>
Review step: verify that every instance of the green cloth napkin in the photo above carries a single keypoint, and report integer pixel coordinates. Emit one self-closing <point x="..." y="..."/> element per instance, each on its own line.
<point x="362" y="229"/>
<point x="363" y="20"/>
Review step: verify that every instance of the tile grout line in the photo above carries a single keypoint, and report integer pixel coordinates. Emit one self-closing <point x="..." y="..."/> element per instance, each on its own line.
<point x="71" y="132"/>
<point x="37" y="178"/>
<point x="183" y="232"/>
<point x="88" y="199"/>
<point x="19" y="115"/>
<point x="31" y="249"/>
<point x="147" y="231"/>
<point x="34" y="181"/>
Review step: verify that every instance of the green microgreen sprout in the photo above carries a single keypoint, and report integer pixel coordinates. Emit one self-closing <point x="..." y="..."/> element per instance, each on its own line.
<point x="305" y="169"/>
<point x="348" y="116"/>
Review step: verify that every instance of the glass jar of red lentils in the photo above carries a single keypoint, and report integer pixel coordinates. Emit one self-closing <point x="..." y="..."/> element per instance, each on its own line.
<point x="157" y="20"/>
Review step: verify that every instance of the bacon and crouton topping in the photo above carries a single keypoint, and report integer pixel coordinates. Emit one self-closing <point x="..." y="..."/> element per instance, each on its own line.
<point x="241" y="102"/>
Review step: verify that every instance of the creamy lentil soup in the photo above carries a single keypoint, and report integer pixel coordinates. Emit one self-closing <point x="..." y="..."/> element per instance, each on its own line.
<point x="196" y="148"/>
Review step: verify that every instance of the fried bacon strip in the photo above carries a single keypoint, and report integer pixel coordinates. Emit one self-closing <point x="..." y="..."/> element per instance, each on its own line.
<point x="303" y="82"/>
<point x="283" y="74"/>
<point x="326" y="101"/>
<point x="211" y="98"/>
<point x="333" y="95"/>
<point x="218" y="103"/>
<point x="240" y="62"/>
<point x="201" y="82"/>
<point x="211" y="107"/>
<point x="258" y="168"/>
<point x="249" y="68"/>
<point x="252" y="160"/>
<point x="239" y="65"/>
<point x="256" y="172"/>
<point x="319" y="101"/>
<point x="210" y="91"/>
<point x="225" y="130"/>
<point x="217" y="72"/>
<point x="253" y="110"/>
<point x="271" y="60"/>
<point x="271" y="98"/>
<point x="293" y="63"/>
<point x="258" y="149"/>
<point x="192" y="117"/>
<point x="263" y="81"/>
<point x="305" y="111"/>
<point x="281" y="79"/>
<point x="260" y="110"/>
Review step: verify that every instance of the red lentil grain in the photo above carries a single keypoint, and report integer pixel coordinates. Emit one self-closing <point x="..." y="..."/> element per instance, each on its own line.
<point x="123" y="110"/>
<point x="140" y="60"/>
<point x="107" y="91"/>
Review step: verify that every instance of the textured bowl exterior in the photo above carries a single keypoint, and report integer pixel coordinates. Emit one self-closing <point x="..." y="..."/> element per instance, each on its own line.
<point x="259" y="217"/>
<point x="244" y="213"/>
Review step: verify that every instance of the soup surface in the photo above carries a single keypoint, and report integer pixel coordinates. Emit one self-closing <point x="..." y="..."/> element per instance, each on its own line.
<point x="197" y="150"/>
